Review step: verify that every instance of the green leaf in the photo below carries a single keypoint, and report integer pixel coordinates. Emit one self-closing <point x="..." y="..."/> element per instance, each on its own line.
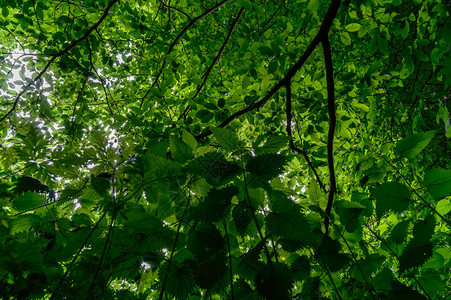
<point x="414" y="255"/>
<point x="101" y="185"/>
<point x="181" y="277"/>
<point x="300" y="267"/>
<point x="211" y="269"/>
<point x="286" y="220"/>
<point x="423" y="230"/>
<point x="383" y="280"/>
<point x="204" y="115"/>
<point x="28" y="183"/>
<point x="214" y="168"/>
<point x="205" y="240"/>
<point x="157" y="167"/>
<point x="5" y="11"/>
<point x="412" y="145"/>
<point x="349" y="213"/>
<point x="212" y="208"/>
<point x="266" y="166"/>
<point x="274" y="281"/>
<point x="399" y="232"/>
<point x="265" y="50"/>
<point x="245" y="3"/>
<point x="226" y="138"/>
<point x="27" y="201"/>
<point x="189" y="139"/>
<point x="443" y="206"/>
<point x="393" y="196"/>
<point x="353" y="27"/>
<point x="273" y="144"/>
<point x="221" y="102"/>
<point x="22" y="223"/>
<point x="345" y="38"/>
<point x="438" y="182"/>
<point x="242" y="216"/>
<point x="362" y="269"/>
<point x="437" y="261"/>
<point x="401" y="292"/>
<point x="180" y="151"/>
<point x="313" y="6"/>
<point x="431" y="281"/>
<point x="329" y="254"/>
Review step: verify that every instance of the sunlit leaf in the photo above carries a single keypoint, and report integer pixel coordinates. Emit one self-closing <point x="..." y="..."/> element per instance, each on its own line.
<point x="443" y="206"/>
<point x="412" y="145"/>
<point x="27" y="201"/>
<point x="180" y="150"/>
<point x="226" y="138"/>
<point x="353" y="27"/>
<point x="438" y="182"/>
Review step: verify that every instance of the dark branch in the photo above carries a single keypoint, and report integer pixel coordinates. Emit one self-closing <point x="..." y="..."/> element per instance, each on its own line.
<point x="205" y="76"/>
<point x="292" y="146"/>
<point x="175" y="8"/>
<point x="59" y="54"/>
<point x="332" y="123"/>
<point x="68" y="269"/>
<point x="322" y="33"/>
<point x="191" y="23"/>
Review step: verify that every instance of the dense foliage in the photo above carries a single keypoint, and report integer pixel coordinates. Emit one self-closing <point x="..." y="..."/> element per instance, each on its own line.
<point x="225" y="150"/>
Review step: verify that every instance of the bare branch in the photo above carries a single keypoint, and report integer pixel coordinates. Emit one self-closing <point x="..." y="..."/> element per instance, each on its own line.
<point x="191" y="23"/>
<point x="332" y="123"/>
<point x="175" y="8"/>
<point x="292" y="146"/>
<point x="323" y="32"/>
<point x="205" y="76"/>
<point x="59" y="54"/>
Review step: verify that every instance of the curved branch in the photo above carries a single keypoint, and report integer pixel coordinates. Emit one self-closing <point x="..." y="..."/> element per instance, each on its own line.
<point x="292" y="146"/>
<point x="230" y="259"/>
<point x="105" y="247"/>
<point x="191" y="23"/>
<point x="59" y="54"/>
<point x="55" y="290"/>
<point x="322" y="33"/>
<point x="215" y="60"/>
<point x="332" y="123"/>
<point x="175" y="8"/>
<point x="179" y="227"/>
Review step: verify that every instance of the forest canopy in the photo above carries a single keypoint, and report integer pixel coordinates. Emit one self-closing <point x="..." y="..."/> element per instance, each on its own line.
<point x="235" y="149"/>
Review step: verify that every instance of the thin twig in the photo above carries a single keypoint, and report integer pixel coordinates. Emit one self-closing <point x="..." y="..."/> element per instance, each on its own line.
<point x="323" y="32"/>
<point x="171" y="47"/>
<point x="166" y="275"/>
<point x="205" y="76"/>
<point x="230" y="258"/>
<point x="292" y="146"/>
<point x="175" y="8"/>
<point x="76" y="255"/>
<point x="59" y="54"/>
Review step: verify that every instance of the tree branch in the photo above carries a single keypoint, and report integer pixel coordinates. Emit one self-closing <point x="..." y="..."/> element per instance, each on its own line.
<point x="59" y="54"/>
<point x="323" y="32"/>
<point x="179" y="227"/>
<point x="292" y="146"/>
<point x="175" y="8"/>
<point x="191" y="23"/>
<point x="215" y="60"/>
<point x="332" y="123"/>
<point x="55" y="290"/>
